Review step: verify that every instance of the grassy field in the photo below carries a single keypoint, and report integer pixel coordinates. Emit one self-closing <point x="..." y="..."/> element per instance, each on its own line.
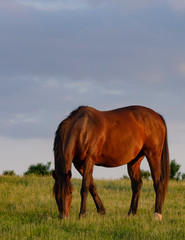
<point x="28" y="211"/>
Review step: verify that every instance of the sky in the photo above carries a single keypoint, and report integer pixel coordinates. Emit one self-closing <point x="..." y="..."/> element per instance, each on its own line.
<point x="56" y="55"/>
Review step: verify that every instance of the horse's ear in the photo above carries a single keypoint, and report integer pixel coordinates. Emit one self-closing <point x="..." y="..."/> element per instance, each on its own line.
<point x="69" y="175"/>
<point x="55" y="175"/>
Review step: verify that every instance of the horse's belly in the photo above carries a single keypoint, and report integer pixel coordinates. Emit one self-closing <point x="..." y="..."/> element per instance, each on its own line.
<point x="114" y="161"/>
<point x="116" y="155"/>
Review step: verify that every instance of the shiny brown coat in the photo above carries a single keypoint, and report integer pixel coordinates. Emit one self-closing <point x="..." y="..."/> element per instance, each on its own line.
<point x="113" y="138"/>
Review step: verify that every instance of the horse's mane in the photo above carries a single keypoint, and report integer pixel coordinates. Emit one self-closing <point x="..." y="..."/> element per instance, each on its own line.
<point x="63" y="185"/>
<point x="61" y="132"/>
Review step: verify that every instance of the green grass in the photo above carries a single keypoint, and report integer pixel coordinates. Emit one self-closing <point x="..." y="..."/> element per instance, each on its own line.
<point x="28" y="211"/>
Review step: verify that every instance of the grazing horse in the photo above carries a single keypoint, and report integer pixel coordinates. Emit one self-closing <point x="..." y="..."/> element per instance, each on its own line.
<point x="89" y="137"/>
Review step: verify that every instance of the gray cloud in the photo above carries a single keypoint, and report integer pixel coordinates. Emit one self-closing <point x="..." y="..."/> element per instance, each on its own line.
<point x="128" y="6"/>
<point x="57" y="55"/>
<point x="53" y="61"/>
<point x="92" y="45"/>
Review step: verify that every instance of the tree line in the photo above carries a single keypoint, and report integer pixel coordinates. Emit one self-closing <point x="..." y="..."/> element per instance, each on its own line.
<point x="41" y="169"/>
<point x="175" y="173"/>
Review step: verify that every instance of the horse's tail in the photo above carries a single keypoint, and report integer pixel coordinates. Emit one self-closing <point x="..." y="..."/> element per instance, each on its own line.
<point x="165" y="163"/>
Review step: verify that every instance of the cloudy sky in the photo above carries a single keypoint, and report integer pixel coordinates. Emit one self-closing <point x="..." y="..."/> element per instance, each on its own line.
<point x="56" y="55"/>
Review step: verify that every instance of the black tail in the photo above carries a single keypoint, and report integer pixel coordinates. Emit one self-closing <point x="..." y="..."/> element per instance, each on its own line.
<point x="165" y="163"/>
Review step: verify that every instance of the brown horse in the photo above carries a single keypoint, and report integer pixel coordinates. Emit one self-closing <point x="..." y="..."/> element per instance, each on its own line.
<point x="89" y="137"/>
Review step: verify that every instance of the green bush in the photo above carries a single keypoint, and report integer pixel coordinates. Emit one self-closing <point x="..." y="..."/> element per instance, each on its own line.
<point x="145" y="174"/>
<point x="39" y="169"/>
<point x="174" y="172"/>
<point x="183" y="176"/>
<point x="9" y="173"/>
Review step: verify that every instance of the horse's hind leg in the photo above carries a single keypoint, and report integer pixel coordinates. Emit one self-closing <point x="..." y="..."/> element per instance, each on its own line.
<point x="136" y="183"/>
<point x="93" y="192"/>
<point x="155" y="166"/>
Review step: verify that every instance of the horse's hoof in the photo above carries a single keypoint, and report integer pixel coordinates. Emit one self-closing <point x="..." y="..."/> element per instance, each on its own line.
<point x="131" y="212"/>
<point x="101" y="213"/>
<point x="82" y="215"/>
<point x="157" y="216"/>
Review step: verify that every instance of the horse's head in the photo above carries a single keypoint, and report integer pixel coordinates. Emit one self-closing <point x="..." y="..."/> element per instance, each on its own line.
<point x="63" y="192"/>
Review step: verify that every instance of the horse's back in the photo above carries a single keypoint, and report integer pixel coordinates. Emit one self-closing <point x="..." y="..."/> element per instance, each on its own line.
<point x="115" y="137"/>
<point x="123" y="120"/>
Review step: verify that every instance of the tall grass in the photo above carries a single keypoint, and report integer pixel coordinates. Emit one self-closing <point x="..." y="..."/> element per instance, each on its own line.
<point x="28" y="211"/>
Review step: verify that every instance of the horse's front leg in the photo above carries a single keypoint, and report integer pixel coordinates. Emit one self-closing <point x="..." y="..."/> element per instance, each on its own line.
<point x="87" y="179"/>
<point x="93" y="191"/>
<point x="97" y="200"/>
